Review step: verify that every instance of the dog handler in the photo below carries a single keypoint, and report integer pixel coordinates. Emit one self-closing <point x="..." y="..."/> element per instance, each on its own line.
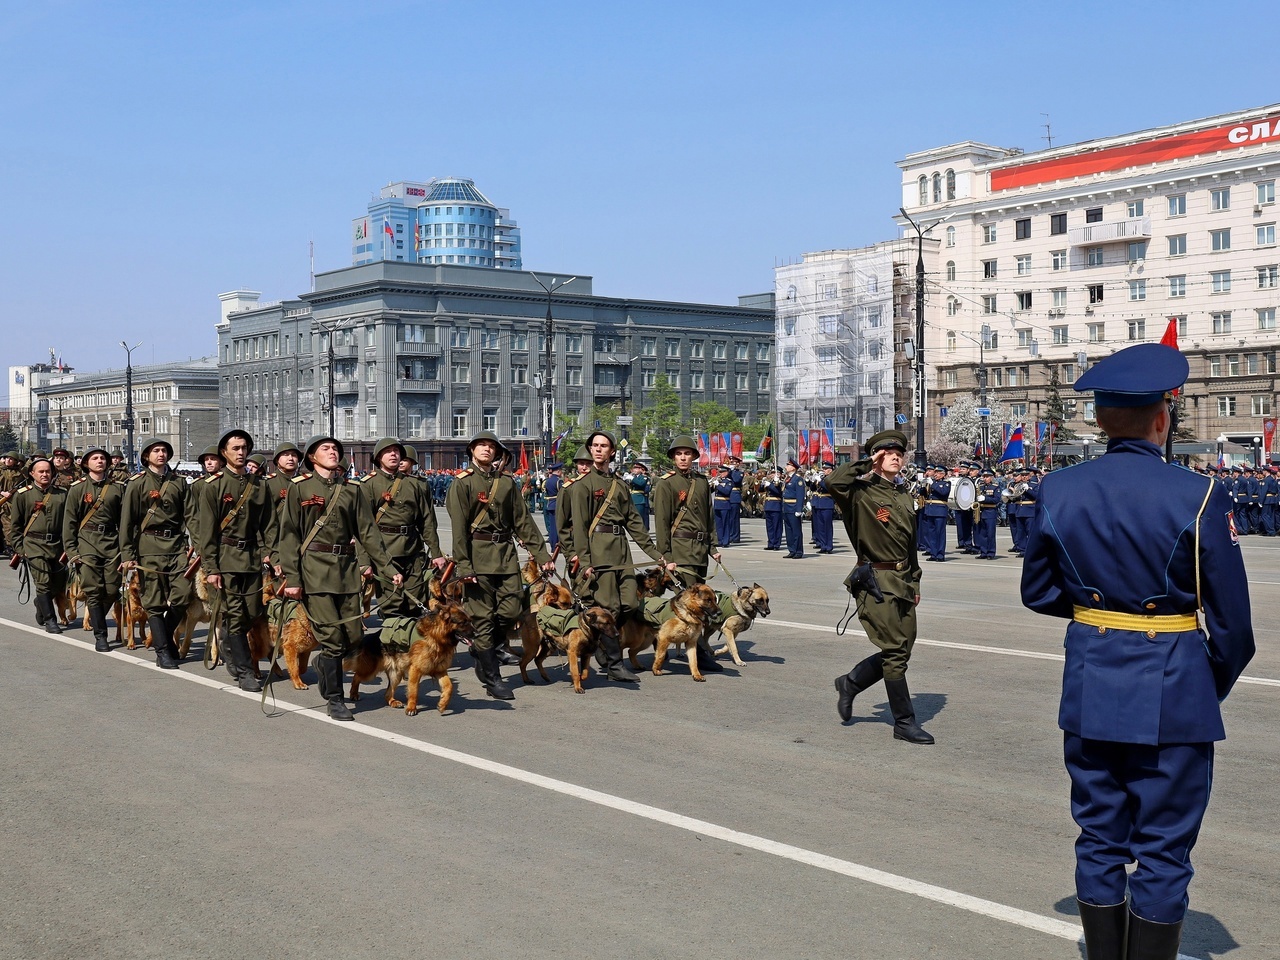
<point x="1144" y="676"/>
<point x="37" y="537"/>
<point x="880" y="518"/>
<point x="91" y="538"/>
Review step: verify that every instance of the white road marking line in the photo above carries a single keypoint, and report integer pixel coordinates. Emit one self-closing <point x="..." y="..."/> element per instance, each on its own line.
<point x="890" y="881"/>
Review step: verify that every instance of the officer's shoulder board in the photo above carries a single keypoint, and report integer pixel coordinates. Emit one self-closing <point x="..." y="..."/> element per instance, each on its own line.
<point x="464" y="473"/>
<point x="669" y="473"/>
<point x="213" y="476"/>
<point x="362" y="479"/>
<point x="300" y="478"/>
<point x="23" y="489"/>
<point x="76" y="483"/>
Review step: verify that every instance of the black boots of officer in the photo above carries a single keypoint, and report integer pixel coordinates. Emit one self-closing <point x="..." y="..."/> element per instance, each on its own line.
<point x="329" y="672"/>
<point x="707" y="661"/>
<point x="1149" y="940"/>
<point x="1104" y="930"/>
<point x="862" y="676"/>
<point x="609" y="656"/>
<point x="904" y="715"/>
<point x="240" y="664"/>
<point x="502" y="650"/>
<point x="46" y="616"/>
<point x="98" y="621"/>
<point x="162" y="641"/>
<point x="486" y="664"/>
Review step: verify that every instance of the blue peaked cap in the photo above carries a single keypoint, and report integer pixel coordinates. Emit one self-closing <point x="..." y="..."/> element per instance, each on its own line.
<point x="1136" y="376"/>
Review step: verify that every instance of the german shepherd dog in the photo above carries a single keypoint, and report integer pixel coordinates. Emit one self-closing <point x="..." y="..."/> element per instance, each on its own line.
<point x="577" y="644"/>
<point x="439" y="632"/>
<point x="297" y="638"/>
<point x="131" y="613"/>
<point x="748" y="603"/>
<point x="693" y="609"/>
<point x="67" y="603"/>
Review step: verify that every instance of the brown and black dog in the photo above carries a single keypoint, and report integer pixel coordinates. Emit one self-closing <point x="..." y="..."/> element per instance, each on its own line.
<point x="577" y="644"/>
<point x="297" y="638"/>
<point x="66" y="604"/>
<point x="748" y="603"/>
<point x="692" y="611"/>
<point x="439" y="632"/>
<point x="131" y="613"/>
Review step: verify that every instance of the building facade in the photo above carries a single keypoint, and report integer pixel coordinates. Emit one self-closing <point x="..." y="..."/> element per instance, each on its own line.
<point x="1052" y="260"/>
<point x="25" y="414"/>
<point x="435" y="353"/>
<point x="442" y="221"/>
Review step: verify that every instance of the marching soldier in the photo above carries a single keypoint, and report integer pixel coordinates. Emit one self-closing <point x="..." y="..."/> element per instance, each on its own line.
<point x="285" y="460"/>
<point x="10" y="481"/>
<point x="119" y="471"/>
<point x="37" y="537"/>
<point x="824" y="510"/>
<point x="735" y="499"/>
<point x="158" y="510"/>
<point x="550" y="496"/>
<point x="564" y="510"/>
<point x="722" y="499"/>
<point x="211" y="460"/>
<point x="91" y="538"/>
<point x="793" y="496"/>
<point x="256" y="464"/>
<point x="237" y="527"/>
<point x="64" y="470"/>
<point x="984" y="529"/>
<point x="964" y="518"/>
<point x="405" y="516"/>
<point x="488" y="514"/>
<point x="324" y="518"/>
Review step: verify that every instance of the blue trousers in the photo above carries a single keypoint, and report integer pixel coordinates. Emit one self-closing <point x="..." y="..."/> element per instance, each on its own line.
<point x="724" y="528"/>
<point x="984" y="532"/>
<point x="1141" y="804"/>
<point x="553" y="535"/>
<point x="933" y="535"/>
<point x="773" y="528"/>
<point x="964" y="529"/>
<point x="795" y="532"/>
<point x="735" y="521"/>
<point x="823" y="529"/>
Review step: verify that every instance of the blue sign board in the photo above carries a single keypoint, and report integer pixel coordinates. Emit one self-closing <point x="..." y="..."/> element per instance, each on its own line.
<point x="984" y="411"/>
<point x="901" y="418"/>
<point x="942" y="411"/>
<point x="852" y="423"/>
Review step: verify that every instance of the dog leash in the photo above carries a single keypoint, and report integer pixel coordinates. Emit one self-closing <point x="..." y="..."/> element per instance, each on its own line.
<point x="24" y="581"/>
<point x="721" y="565"/>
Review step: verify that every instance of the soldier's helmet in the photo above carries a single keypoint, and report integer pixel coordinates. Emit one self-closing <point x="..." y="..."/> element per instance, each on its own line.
<point x="322" y="438"/>
<point x="582" y="456"/>
<point x="286" y="446"/>
<point x="613" y="443"/>
<point x="492" y="438"/>
<point x="682" y="442"/>
<point x="385" y="444"/>
<point x="155" y="442"/>
<point x="84" y="457"/>
<point x="231" y="435"/>
<point x="410" y="454"/>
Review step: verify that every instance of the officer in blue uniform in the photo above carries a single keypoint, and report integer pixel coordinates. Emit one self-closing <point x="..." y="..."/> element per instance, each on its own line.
<point x="772" y="492"/>
<point x="721" y="499"/>
<point x="1270" y="500"/>
<point x="1255" y="500"/>
<point x="793" y="495"/>
<point x="550" y="497"/>
<point x="984" y="529"/>
<point x="1156" y="590"/>
<point x="824" y="511"/>
<point x="640" y="491"/>
<point x="735" y="499"/>
<point x="937" y="490"/>
<point x="964" y="518"/>
<point x="1240" y="494"/>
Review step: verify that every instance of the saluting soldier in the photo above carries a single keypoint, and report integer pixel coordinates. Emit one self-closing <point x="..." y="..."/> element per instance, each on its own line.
<point x="406" y="519"/>
<point x="237" y="527"/>
<point x="64" y="470"/>
<point x="157" y="512"/>
<point x="488" y="513"/>
<point x="37" y="537"/>
<point x="91" y="538"/>
<point x="324" y="517"/>
<point x="602" y="516"/>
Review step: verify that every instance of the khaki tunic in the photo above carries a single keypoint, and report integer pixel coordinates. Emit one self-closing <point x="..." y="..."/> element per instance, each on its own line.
<point x="607" y="550"/>
<point x="405" y="517"/>
<point x="94" y="543"/>
<point x="37" y="535"/>
<point x="156" y="539"/>
<point x="686" y="496"/>
<point x="233" y="548"/>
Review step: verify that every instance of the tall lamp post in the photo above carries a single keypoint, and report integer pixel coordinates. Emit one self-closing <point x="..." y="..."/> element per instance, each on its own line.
<point x="547" y="379"/>
<point x="919" y="344"/>
<point x="128" y="401"/>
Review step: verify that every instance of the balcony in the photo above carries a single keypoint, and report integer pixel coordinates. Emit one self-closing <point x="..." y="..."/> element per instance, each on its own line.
<point x="346" y="385"/>
<point x="419" y="349"/>
<point x="612" y="358"/>
<point x="608" y="391"/>
<point x="1117" y="231"/>
<point x="417" y="386"/>
<point x="345" y="350"/>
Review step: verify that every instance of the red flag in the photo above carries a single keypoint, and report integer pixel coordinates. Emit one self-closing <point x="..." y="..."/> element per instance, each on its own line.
<point x="736" y="445"/>
<point x="803" y="452"/>
<point x="524" y="459"/>
<point x="1170" y="338"/>
<point x="815" y="447"/>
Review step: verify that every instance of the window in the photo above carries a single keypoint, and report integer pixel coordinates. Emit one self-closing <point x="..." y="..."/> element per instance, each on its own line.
<point x="573" y="376"/>
<point x="1267" y="318"/>
<point x="1266" y="192"/>
<point x="461" y="373"/>
<point x="1182" y="325"/>
<point x="673" y="378"/>
<point x="740" y="381"/>
<point x="830" y="291"/>
<point x="1024" y="299"/>
<point x="460" y="423"/>
<point x="923" y="184"/>
<point x="695" y="380"/>
<point x="1022" y="229"/>
<point x="489" y="419"/>
<point x="989" y="269"/>
<point x="1226" y="406"/>
<point x="1057" y="224"/>
<point x="460" y="337"/>
<point x="951" y="341"/>
<point x="1220" y="199"/>
<point x="1058" y="259"/>
<point x="370" y="373"/>
<point x="989" y="304"/>
<point x="1215" y="366"/>
<point x="1067" y="372"/>
<point x="519" y="373"/>
<point x="937" y="188"/>
<point x="1093" y="256"/>
<point x="1178" y="205"/>
<point x="789" y="357"/>
<point x="990" y="339"/>
<point x="1060" y="335"/>
<point x="989" y="233"/>
<point x="673" y="346"/>
<point x="1251" y="364"/>
<point x="1093" y="215"/>
<point x="648" y="378"/>
<point x="648" y="346"/>
<point x="1178" y="286"/>
<point x="1059" y="296"/>
<point x="788" y="330"/>
<point x="1268" y="277"/>
<point x="951" y="270"/>
<point x="1023" y="264"/>
<point x="953" y="306"/>
<point x="1178" y="245"/>
<point x="573" y="343"/>
<point x="1095" y="293"/>
<point x="762" y="351"/>
<point x="1220" y="239"/>
<point x="739" y="351"/>
<point x="490" y="373"/>
<point x="951" y="184"/>
<point x="1097" y="333"/>
<point x="827" y="324"/>
<point x="827" y="355"/>
<point x="1089" y="406"/>
<point x="1025" y="336"/>
<point x="1137" y="251"/>
<point x="1137" y="290"/>
<point x="762" y="382"/>
<point x="1221" y="321"/>
<point x="718" y="348"/>
<point x="1134" y="208"/>
<point x="1261" y="405"/>
<point x="1220" y="281"/>
<point x="949" y="379"/>
<point x="520" y="420"/>
<point x="997" y="376"/>
<point x="1266" y="233"/>
<point x="489" y="339"/>
<point x="695" y="349"/>
<point x="951" y="236"/>
<point x="1137" y="329"/>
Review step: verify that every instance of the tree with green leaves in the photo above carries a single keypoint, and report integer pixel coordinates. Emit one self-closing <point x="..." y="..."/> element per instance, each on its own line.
<point x="8" y="439"/>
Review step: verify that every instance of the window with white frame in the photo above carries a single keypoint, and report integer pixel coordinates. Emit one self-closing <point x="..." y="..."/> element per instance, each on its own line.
<point x="949" y="379"/>
<point x="951" y="270"/>
<point x="1094" y="256"/>
<point x="1137" y="329"/>
<point x="1023" y="264"/>
<point x="1178" y="285"/>
<point x="989" y="304"/>
<point x="1266" y="192"/>
<point x="1178" y="245"/>
<point x="828" y="324"/>
<point x="739" y="381"/>
<point x="1024" y="299"/>
<point x="989" y="233"/>
<point x="489" y="419"/>
<point x="1261" y="405"/>
<point x="951" y="236"/>
<point x="990" y="269"/>
<point x="490" y="373"/>
<point x="648" y="346"/>
<point x="1097" y="332"/>
<point x="1226" y="406"/>
<point x="1266" y="234"/>
<point x="1060" y="334"/>
<point x="1178" y="205"/>
<point x="1220" y="240"/>
<point x="573" y="343"/>
<point x="1220" y="281"/>
<point x="1220" y="198"/>
<point x="695" y="380"/>
<point x="953" y="306"/>
<point x="573" y="376"/>
<point x="1266" y="318"/>
<point x="762" y="382"/>
<point x="1134" y="208"/>
<point x="673" y="346"/>
<point x="1058" y="259"/>
<point x="1025" y="336"/>
<point x="1059" y="295"/>
<point x="460" y="372"/>
<point x="460" y="423"/>
<point x="1137" y="251"/>
<point x="1221" y="321"/>
<point x="1137" y="289"/>
<point x="1268" y="277"/>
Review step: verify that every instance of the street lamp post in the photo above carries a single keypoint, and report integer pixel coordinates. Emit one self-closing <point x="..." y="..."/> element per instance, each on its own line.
<point x="128" y="402"/>
<point x="548" y="382"/>
<point x="919" y="344"/>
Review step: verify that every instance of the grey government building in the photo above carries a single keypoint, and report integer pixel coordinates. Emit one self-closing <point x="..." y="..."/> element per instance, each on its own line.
<point x="435" y="353"/>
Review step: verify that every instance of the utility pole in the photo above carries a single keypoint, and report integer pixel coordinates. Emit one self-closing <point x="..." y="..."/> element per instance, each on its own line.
<point x="919" y="358"/>
<point x="128" y="402"/>
<point x="548" y="362"/>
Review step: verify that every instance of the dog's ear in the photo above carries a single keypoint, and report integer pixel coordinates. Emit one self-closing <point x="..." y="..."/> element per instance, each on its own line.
<point x="755" y="586"/>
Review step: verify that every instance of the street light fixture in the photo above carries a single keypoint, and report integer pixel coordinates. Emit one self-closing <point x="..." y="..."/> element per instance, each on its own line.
<point x="128" y="402"/>
<point x="919" y="342"/>
<point x="548" y="381"/>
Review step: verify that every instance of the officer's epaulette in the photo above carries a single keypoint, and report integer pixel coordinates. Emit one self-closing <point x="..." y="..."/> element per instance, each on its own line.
<point x="362" y="479"/>
<point x="23" y="488"/>
<point x="300" y="477"/>
<point x="669" y="473"/>
<point x="465" y="473"/>
<point x="76" y="483"/>
<point x="271" y="476"/>
<point x="570" y="481"/>
<point x="213" y="476"/>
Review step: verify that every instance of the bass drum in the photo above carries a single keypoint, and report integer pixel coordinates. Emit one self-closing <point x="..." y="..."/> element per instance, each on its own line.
<point x="964" y="494"/>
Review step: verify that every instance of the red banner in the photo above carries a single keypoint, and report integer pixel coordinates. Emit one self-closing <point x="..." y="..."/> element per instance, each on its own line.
<point x="802" y="455"/>
<point x="815" y="447"/>
<point x="737" y="445"/>
<point x="1268" y="434"/>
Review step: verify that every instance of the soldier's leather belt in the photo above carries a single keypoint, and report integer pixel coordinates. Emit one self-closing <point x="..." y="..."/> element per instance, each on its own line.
<point x="238" y="544"/>
<point x="785" y="500"/>
<point x="819" y="496"/>
<point x="898" y="565"/>
<point x="403" y="530"/>
<point x="685" y="535"/>
<point x="162" y="533"/>
<point x="989" y="506"/>
<point x="492" y="537"/>
<point x="725" y="499"/>
<point x="98" y="528"/>
<point x="337" y="549"/>
<point x="1150" y="625"/>
<point x="616" y="529"/>
<point x="45" y="537"/>
<point x="774" y="500"/>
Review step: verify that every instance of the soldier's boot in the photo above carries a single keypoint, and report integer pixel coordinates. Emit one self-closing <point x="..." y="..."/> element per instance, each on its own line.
<point x="1104" y="930"/>
<point x="707" y="661"/>
<point x="502" y="648"/>
<point x="42" y="617"/>
<point x="1149" y="940"/>
<point x="487" y="671"/>
<point x="851" y="684"/>
<point x="161" y="642"/>
<point x="239" y="664"/>
<point x="172" y="619"/>
<point x="330" y="671"/>
<point x="614" y="668"/>
<point x="50" y="623"/>
<point x="98" y="620"/>
<point x="904" y="715"/>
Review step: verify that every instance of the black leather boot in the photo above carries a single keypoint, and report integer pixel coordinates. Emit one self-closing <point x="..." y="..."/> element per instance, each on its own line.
<point x="172" y="620"/>
<point x="502" y="650"/>
<point x="42" y="617"/>
<point x="614" y="668"/>
<point x="487" y="671"/>
<point x="98" y="620"/>
<point x="50" y="614"/>
<point x="239" y="664"/>
<point x="851" y="684"/>
<point x="1104" y="930"/>
<point x="904" y="715"/>
<point x="1149" y="940"/>
<point x="330" y="670"/>
<point x="707" y="661"/>
<point x="161" y="642"/>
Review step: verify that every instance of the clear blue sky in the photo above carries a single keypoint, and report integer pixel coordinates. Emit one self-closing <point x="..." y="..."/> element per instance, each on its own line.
<point x="155" y="154"/>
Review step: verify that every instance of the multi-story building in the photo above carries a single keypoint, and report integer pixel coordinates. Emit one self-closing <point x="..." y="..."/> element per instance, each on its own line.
<point x="25" y="414"/>
<point x="445" y="220"/>
<point x="435" y="353"/>
<point x="177" y="402"/>
<point x="1054" y="259"/>
<point x="841" y="317"/>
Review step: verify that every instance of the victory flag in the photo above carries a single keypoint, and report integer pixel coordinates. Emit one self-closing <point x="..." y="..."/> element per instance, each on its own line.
<point x="815" y="447"/>
<point x="735" y="444"/>
<point x="704" y="452"/>
<point x="524" y="459"/>
<point x="803" y="452"/>
<point x="828" y="448"/>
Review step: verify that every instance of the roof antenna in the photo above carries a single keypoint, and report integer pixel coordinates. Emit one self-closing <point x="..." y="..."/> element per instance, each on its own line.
<point x="1048" y="134"/>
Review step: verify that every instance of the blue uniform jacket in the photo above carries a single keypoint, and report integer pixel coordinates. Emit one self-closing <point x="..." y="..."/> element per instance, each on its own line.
<point x="736" y="478"/>
<point x="772" y="490"/>
<point x="935" y="498"/>
<point x="551" y="493"/>
<point x="822" y="502"/>
<point x="1090" y="546"/>
<point x="794" y="491"/>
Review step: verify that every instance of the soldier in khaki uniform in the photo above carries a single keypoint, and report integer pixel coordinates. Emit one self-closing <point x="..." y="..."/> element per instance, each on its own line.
<point x="237" y="527"/>
<point x="284" y="471"/>
<point x="880" y="518"/>
<point x="64" y="469"/>
<point x="324" y="518"/>
<point x="488" y="515"/>
<point x="564" y="508"/>
<point x="119" y="471"/>
<point x="684" y="527"/>
<point x="91" y="538"/>
<point x="157" y="512"/>
<point x="602" y="515"/>
<point x="10" y="481"/>
<point x="37" y="537"/>
<point x="406" y="518"/>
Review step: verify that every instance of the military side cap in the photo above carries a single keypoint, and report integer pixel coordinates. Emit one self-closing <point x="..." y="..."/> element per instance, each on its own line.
<point x="682" y="442"/>
<point x="410" y="453"/>
<point x="155" y="442"/>
<point x="90" y="452"/>
<point x="581" y="455"/>
<point x="602" y="433"/>
<point x="320" y="438"/>
<point x="231" y="435"/>
<point x="286" y="446"/>
<point x="491" y="437"/>
<point x="888" y="440"/>
<point x="1136" y="376"/>
<point x="385" y="444"/>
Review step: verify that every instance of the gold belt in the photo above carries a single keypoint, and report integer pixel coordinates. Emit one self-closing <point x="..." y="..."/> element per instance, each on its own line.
<point x="1150" y="625"/>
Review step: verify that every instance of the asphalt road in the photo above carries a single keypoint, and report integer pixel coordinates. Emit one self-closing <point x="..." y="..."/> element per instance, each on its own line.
<point x="161" y="814"/>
